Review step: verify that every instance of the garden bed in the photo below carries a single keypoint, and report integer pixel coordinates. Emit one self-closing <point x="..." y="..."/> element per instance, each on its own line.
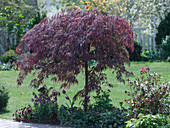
<point x="21" y="95"/>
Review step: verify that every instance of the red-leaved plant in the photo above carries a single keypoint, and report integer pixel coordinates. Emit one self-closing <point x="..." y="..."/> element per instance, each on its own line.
<point x="65" y="44"/>
<point x="150" y="94"/>
<point x="24" y="114"/>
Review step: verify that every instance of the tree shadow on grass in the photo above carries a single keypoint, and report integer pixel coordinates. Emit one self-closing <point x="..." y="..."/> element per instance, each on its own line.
<point x="3" y="111"/>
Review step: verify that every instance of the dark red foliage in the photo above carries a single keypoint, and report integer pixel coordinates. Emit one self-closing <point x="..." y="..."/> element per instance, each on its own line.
<point x="63" y="46"/>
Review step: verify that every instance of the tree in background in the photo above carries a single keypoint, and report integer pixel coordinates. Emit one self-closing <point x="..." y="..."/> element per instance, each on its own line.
<point x="163" y="30"/>
<point x="9" y="8"/>
<point x="145" y="13"/>
<point x="16" y="16"/>
<point x="152" y="12"/>
<point x="69" y="42"/>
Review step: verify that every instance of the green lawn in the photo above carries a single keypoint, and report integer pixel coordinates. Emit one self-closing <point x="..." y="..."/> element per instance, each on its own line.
<point x="21" y="95"/>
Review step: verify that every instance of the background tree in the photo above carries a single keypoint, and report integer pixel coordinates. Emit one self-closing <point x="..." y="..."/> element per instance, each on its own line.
<point x="145" y="13"/>
<point x="7" y="8"/>
<point x="163" y="30"/>
<point x="16" y="16"/>
<point x="66" y="44"/>
<point x="152" y="12"/>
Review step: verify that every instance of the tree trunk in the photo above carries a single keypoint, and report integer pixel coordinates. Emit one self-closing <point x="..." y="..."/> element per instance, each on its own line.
<point x="86" y="86"/>
<point x="8" y="42"/>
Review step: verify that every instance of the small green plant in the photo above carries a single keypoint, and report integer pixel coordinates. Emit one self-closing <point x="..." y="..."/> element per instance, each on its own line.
<point x="102" y="100"/>
<point x="9" y="56"/>
<point x="150" y="55"/>
<point x="148" y="121"/>
<point x="149" y="93"/>
<point x="4" y="97"/>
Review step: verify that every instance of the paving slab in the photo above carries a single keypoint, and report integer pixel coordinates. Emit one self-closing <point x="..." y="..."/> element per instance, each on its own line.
<point x="14" y="124"/>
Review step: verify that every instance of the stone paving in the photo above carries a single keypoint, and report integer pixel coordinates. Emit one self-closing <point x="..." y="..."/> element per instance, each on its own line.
<point x="14" y="124"/>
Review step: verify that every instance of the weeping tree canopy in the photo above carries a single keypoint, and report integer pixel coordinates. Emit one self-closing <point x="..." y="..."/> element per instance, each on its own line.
<point x="66" y="44"/>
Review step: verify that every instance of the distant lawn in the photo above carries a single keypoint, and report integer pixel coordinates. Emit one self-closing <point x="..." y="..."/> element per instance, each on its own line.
<point x="19" y="96"/>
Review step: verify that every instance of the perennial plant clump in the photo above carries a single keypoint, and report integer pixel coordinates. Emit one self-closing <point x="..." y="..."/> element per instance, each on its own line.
<point x="44" y="110"/>
<point x="150" y="94"/>
<point x="152" y="121"/>
<point x="64" y="46"/>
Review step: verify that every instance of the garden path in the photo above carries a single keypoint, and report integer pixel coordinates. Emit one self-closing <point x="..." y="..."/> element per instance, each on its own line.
<point x="13" y="124"/>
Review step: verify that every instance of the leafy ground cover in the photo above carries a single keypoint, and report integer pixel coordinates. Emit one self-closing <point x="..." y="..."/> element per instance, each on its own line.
<point x="21" y="95"/>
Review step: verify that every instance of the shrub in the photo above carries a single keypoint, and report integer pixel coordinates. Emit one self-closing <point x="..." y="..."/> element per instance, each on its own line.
<point x="9" y="56"/>
<point x="150" y="55"/>
<point x="136" y="54"/>
<point x="163" y="30"/>
<point x="145" y="121"/>
<point x="4" y="97"/>
<point x="45" y="109"/>
<point x="149" y="93"/>
<point x="101" y="114"/>
<point x="165" y="48"/>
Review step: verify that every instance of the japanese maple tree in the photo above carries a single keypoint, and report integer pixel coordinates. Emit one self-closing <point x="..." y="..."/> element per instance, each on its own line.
<point x="64" y="45"/>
